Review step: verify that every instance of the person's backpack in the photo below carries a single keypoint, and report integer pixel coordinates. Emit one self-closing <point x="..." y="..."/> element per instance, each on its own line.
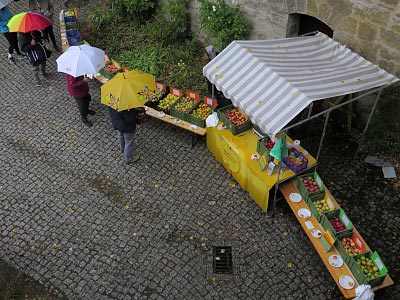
<point x="37" y="53"/>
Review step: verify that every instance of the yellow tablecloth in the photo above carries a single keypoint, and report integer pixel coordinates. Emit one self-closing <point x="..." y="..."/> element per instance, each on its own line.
<point x="234" y="153"/>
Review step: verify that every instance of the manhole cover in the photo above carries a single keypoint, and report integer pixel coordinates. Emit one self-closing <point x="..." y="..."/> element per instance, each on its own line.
<point x="222" y="260"/>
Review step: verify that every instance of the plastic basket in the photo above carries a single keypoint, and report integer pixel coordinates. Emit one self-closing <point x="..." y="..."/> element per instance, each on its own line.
<point x="295" y="167"/>
<point x="74" y="40"/>
<point x="352" y="241"/>
<point x="72" y="32"/>
<point x="180" y="114"/>
<point x="314" y="195"/>
<point x="341" y="216"/>
<point x="194" y="120"/>
<point x="361" y="275"/>
<point x="167" y="111"/>
<point x="232" y="128"/>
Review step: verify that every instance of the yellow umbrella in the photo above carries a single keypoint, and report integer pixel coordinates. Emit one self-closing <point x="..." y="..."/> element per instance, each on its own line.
<point x="128" y="90"/>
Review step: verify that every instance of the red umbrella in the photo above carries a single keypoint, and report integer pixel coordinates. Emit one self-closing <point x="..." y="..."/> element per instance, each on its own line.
<point x="28" y="21"/>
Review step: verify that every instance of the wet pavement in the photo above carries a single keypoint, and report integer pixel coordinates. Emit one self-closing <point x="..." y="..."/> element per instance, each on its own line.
<point x="75" y="218"/>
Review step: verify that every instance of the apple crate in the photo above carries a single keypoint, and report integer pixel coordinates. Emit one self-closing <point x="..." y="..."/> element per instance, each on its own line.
<point x="313" y="203"/>
<point x="179" y="114"/>
<point x="196" y="121"/>
<point x="315" y="195"/>
<point x="353" y="242"/>
<point x="235" y="130"/>
<point x="294" y="166"/>
<point x="378" y="268"/>
<point x="153" y="101"/>
<point x="262" y="148"/>
<point x="342" y="218"/>
<point x="166" y="111"/>
<point x="107" y="74"/>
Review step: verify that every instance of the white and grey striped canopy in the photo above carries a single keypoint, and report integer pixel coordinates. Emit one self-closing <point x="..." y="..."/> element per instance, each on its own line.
<point x="272" y="81"/>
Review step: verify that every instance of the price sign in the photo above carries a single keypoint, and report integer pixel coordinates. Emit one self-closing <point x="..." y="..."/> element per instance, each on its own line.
<point x="115" y="64"/>
<point x="175" y="92"/>
<point x="161" y="86"/>
<point x="192" y="95"/>
<point x="210" y="101"/>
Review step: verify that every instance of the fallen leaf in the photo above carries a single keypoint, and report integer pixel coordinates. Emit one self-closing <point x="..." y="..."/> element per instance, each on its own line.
<point x="213" y="202"/>
<point x="55" y="246"/>
<point x="156" y="186"/>
<point x="187" y="206"/>
<point x="181" y="171"/>
<point x="290" y="265"/>
<point x="33" y="248"/>
<point x="170" y="188"/>
<point x="200" y="223"/>
<point x="309" y="278"/>
<point x="232" y="185"/>
<point x="213" y="279"/>
<point x="14" y="229"/>
<point x="285" y="233"/>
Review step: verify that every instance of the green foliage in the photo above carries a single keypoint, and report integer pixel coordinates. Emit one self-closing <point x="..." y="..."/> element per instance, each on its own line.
<point x="223" y="23"/>
<point x="136" y="11"/>
<point x="384" y="131"/>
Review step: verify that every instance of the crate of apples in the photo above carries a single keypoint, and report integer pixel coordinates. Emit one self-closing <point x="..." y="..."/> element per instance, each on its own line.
<point x="337" y="225"/>
<point x="166" y="103"/>
<point x="235" y="117"/>
<point x="350" y="246"/>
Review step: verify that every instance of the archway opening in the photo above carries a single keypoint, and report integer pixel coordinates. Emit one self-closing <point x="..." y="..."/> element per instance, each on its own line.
<point x="301" y="24"/>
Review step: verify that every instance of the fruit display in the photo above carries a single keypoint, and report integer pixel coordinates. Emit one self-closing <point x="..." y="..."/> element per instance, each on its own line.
<point x="310" y="184"/>
<point x="184" y="105"/>
<point x="296" y="159"/>
<point x="350" y="246"/>
<point x="167" y="102"/>
<point x="322" y="206"/>
<point x="111" y="68"/>
<point x="156" y="94"/>
<point x="269" y="144"/>
<point x="337" y="225"/>
<point x="235" y="117"/>
<point x="371" y="271"/>
<point x="202" y="112"/>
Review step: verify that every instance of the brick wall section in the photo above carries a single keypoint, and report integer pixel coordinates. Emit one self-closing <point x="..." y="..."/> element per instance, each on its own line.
<point x="369" y="27"/>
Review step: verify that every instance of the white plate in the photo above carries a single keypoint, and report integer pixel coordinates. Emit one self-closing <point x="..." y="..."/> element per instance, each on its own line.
<point x="304" y="213"/>
<point x="255" y="157"/>
<point x="346" y="282"/>
<point x="295" y="197"/>
<point x="161" y="114"/>
<point x="194" y="127"/>
<point x="335" y="261"/>
<point x="316" y="233"/>
<point x="177" y="121"/>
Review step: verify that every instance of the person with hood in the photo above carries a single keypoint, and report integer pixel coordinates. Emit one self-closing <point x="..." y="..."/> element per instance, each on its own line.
<point x="47" y="9"/>
<point x="79" y="89"/>
<point x="31" y="44"/>
<point x="11" y="37"/>
<point x="125" y="124"/>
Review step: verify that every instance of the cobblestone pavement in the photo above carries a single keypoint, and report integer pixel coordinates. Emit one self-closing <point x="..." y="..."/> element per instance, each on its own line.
<point x="76" y="219"/>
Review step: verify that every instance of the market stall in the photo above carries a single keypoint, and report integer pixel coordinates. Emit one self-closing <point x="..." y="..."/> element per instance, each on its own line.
<point x="272" y="82"/>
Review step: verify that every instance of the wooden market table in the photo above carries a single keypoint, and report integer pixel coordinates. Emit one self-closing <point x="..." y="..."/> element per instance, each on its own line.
<point x="290" y="187"/>
<point x="234" y="153"/>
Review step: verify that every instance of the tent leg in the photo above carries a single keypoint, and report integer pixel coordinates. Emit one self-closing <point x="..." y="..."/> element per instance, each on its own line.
<point x="322" y="136"/>
<point x="366" y="125"/>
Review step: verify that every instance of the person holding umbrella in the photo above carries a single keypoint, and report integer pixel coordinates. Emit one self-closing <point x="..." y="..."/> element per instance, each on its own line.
<point x="12" y="38"/>
<point x="47" y="9"/>
<point x="31" y="44"/>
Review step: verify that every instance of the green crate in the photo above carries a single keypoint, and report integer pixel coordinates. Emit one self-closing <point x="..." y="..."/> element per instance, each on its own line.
<point x="361" y="276"/>
<point x="316" y="195"/>
<point x="167" y="111"/>
<point x="357" y="241"/>
<point x="263" y="150"/>
<point x="108" y="74"/>
<point x="341" y="215"/>
<point x="314" y="210"/>
<point x="196" y="121"/>
<point x="179" y="114"/>
<point x="234" y="129"/>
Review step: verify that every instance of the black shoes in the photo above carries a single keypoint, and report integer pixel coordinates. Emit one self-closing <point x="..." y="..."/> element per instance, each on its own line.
<point x="87" y="122"/>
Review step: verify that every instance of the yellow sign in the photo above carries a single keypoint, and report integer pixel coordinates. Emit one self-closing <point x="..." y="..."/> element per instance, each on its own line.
<point x="230" y="157"/>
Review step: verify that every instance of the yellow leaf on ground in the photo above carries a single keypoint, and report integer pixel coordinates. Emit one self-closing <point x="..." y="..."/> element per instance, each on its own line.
<point x="213" y="202"/>
<point x="285" y="233"/>
<point x="232" y="184"/>
<point x="187" y="206"/>
<point x="290" y="265"/>
<point x="156" y="186"/>
<point x="55" y="246"/>
<point x="181" y="171"/>
<point x="213" y="279"/>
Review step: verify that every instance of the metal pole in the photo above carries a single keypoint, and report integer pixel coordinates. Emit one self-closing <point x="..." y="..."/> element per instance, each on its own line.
<point x="322" y="137"/>
<point x="366" y="125"/>
<point x="310" y="109"/>
<point x="279" y="172"/>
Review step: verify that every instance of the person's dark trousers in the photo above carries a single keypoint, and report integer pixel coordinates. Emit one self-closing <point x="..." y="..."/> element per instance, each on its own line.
<point x="83" y="106"/>
<point x="48" y="32"/>
<point x="12" y="39"/>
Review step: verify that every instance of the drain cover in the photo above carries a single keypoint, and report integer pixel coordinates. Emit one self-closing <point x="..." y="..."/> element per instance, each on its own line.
<point x="222" y="260"/>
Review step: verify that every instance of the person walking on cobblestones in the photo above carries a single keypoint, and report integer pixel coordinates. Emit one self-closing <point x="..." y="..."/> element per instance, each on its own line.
<point x="125" y="123"/>
<point x="31" y="44"/>
<point x="12" y="37"/>
<point x="79" y="89"/>
<point x="46" y="8"/>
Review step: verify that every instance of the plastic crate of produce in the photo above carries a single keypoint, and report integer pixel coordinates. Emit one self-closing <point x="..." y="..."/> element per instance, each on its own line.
<point x="349" y="244"/>
<point x="109" y="71"/>
<point x="368" y="268"/>
<point x="337" y="222"/>
<point x="320" y="207"/>
<point x="264" y="145"/>
<point x="165" y="104"/>
<point x="74" y="40"/>
<point x="72" y="32"/>
<point x="69" y="19"/>
<point x="296" y="161"/>
<point x="199" y="114"/>
<point x="181" y="108"/>
<point x="311" y="186"/>
<point x="155" y="98"/>
<point x="71" y="25"/>
<point x="244" y="122"/>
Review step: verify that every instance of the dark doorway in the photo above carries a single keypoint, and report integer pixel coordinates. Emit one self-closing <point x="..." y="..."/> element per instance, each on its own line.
<point x="299" y="24"/>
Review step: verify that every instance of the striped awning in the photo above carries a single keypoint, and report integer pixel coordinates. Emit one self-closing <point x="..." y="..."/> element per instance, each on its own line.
<point x="272" y="81"/>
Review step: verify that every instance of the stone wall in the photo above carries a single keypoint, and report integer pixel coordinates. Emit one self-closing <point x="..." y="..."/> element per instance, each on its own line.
<point x="370" y="28"/>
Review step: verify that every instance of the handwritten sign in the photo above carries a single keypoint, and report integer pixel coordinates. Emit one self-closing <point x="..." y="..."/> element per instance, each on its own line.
<point x="161" y="86"/>
<point x="175" y="92"/>
<point x="193" y="95"/>
<point x="210" y="101"/>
